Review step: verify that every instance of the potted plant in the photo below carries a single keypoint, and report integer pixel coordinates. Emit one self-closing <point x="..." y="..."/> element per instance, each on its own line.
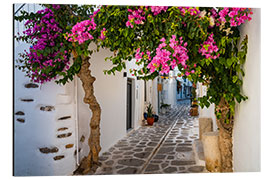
<point x="194" y="102"/>
<point x="194" y="108"/>
<point x="164" y="107"/>
<point x="155" y="117"/>
<point x="145" y="115"/>
<point x="150" y="118"/>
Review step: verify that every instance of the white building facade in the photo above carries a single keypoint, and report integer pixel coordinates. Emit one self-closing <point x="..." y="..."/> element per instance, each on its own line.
<point x="247" y="124"/>
<point x="51" y="122"/>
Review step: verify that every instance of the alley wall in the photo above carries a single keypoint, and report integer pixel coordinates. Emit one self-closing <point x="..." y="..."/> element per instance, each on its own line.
<point x="247" y="130"/>
<point x="247" y="124"/>
<point x="51" y="121"/>
<point x="111" y="93"/>
<point x="44" y="124"/>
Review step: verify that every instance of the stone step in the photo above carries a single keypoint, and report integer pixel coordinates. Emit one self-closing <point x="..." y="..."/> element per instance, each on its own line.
<point x="199" y="153"/>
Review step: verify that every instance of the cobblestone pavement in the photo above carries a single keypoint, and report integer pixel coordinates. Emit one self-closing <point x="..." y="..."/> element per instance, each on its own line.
<point x="165" y="147"/>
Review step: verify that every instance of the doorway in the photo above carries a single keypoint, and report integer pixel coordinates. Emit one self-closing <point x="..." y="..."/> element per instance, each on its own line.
<point x="129" y="105"/>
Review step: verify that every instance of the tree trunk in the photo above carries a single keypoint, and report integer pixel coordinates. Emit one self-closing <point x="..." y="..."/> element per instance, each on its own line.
<point x="225" y="137"/>
<point x="90" y="163"/>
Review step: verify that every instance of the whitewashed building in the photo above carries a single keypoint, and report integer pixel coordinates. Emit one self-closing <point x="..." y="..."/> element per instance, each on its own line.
<point x="51" y="122"/>
<point x="168" y="93"/>
<point x="247" y="124"/>
<point x="171" y="91"/>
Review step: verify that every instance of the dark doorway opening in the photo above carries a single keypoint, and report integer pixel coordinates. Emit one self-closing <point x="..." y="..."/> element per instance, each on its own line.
<point x="129" y="104"/>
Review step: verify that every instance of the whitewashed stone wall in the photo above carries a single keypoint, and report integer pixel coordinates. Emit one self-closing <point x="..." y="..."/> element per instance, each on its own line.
<point x="44" y="126"/>
<point x="246" y="134"/>
<point x="206" y="112"/>
<point x="247" y="130"/>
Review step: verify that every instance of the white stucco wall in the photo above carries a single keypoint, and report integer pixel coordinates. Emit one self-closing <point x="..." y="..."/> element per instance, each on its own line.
<point x="154" y="95"/>
<point x="206" y="112"/>
<point x="41" y="128"/>
<point x="172" y="92"/>
<point x="246" y="136"/>
<point x="138" y="99"/>
<point x="169" y="91"/>
<point x="111" y="93"/>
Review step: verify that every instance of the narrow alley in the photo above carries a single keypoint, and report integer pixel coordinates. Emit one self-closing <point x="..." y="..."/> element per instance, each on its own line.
<point x="89" y="80"/>
<point x="165" y="147"/>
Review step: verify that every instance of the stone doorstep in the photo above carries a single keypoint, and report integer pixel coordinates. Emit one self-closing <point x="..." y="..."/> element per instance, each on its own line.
<point x="198" y="151"/>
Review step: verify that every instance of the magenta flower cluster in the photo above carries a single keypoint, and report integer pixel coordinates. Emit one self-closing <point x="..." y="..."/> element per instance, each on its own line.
<point x="44" y="33"/>
<point x="102" y="34"/>
<point x="160" y="60"/>
<point x="190" y="10"/>
<point x="139" y="55"/>
<point x="56" y="6"/>
<point x="136" y="16"/>
<point x="167" y="56"/>
<point x="80" y="31"/>
<point x="209" y="48"/>
<point x="234" y="16"/>
<point x="157" y="9"/>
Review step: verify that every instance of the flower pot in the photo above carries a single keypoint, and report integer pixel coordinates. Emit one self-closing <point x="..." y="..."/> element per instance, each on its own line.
<point x="194" y="103"/>
<point x="150" y="121"/>
<point x="163" y="110"/>
<point x="194" y="111"/>
<point x="145" y="115"/>
<point x="155" y="117"/>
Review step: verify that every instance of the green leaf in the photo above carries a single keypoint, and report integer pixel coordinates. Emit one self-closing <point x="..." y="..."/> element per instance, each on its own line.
<point x="125" y="32"/>
<point x="229" y="62"/>
<point x="119" y="67"/>
<point x="235" y="78"/>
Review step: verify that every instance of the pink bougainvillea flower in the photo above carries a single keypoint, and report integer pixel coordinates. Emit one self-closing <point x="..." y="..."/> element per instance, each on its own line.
<point x="102" y="35"/>
<point x="234" y="16"/>
<point x="157" y="9"/>
<point x="80" y="31"/>
<point x="209" y="48"/>
<point x="168" y="58"/>
<point x="136" y="15"/>
<point x="44" y="33"/>
<point x="190" y="10"/>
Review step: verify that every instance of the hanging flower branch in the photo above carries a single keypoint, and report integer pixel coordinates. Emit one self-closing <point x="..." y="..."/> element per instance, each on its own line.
<point x="45" y="56"/>
<point x="209" y="48"/>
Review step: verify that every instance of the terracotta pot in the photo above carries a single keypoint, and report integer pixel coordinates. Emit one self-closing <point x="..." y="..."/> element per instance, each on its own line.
<point x="194" y="103"/>
<point x="194" y="111"/>
<point x="150" y="121"/>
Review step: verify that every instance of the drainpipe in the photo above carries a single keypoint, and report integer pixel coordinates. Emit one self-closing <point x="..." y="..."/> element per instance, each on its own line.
<point x="76" y="121"/>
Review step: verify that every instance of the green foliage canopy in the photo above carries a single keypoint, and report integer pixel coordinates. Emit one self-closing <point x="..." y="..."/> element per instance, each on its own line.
<point x="203" y="42"/>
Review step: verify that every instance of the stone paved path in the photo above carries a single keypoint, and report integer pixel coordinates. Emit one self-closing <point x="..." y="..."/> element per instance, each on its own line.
<point x="165" y="147"/>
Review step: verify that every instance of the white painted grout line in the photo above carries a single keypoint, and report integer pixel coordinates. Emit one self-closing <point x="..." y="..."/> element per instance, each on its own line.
<point x="160" y="143"/>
